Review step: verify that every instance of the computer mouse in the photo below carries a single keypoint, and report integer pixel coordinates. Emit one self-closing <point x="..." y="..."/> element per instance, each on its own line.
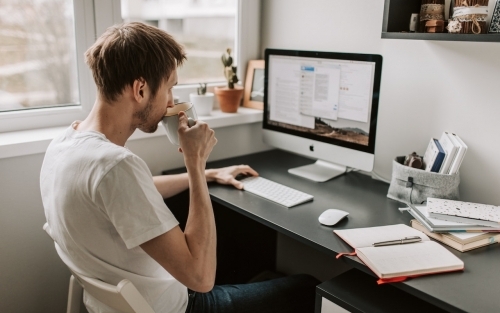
<point x="331" y="217"/>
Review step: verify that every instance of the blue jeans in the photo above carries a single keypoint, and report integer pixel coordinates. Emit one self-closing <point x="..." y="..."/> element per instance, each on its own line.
<point x="289" y="294"/>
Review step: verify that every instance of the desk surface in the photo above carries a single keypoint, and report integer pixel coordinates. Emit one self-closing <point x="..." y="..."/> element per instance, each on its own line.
<point x="472" y="290"/>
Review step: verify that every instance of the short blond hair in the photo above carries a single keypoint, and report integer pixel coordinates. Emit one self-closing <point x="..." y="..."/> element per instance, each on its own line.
<point x="127" y="52"/>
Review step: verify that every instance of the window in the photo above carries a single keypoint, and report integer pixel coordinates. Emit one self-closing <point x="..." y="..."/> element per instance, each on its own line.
<point x="206" y="28"/>
<point x="44" y="81"/>
<point x="37" y="54"/>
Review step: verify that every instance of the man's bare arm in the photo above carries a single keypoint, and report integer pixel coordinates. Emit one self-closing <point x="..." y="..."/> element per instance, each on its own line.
<point x="170" y="185"/>
<point x="191" y="256"/>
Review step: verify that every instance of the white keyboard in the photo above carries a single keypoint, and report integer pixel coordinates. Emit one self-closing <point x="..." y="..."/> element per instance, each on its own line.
<point x="275" y="192"/>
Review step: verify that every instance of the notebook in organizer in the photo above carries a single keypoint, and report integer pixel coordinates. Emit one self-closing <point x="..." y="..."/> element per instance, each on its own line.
<point x="398" y="262"/>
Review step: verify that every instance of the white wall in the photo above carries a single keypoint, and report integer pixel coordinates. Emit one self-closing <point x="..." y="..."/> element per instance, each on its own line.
<point x="427" y="86"/>
<point x="33" y="278"/>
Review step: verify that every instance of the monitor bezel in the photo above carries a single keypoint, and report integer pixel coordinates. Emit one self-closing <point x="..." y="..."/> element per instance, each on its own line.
<point x="377" y="59"/>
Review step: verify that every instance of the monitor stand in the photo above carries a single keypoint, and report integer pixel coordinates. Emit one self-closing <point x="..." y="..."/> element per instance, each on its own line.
<point x="320" y="171"/>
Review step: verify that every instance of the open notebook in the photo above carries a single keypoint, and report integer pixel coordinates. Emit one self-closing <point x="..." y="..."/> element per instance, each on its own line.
<point x="397" y="262"/>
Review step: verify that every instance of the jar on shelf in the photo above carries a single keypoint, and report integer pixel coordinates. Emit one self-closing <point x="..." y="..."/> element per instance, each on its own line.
<point x="469" y="17"/>
<point x="433" y="11"/>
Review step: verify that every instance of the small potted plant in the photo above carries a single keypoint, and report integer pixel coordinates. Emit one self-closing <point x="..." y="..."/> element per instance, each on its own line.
<point x="202" y="100"/>
<point x="229" y="96"/>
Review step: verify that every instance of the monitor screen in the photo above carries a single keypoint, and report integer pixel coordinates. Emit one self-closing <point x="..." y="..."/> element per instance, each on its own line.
<point x="322" y="98"/>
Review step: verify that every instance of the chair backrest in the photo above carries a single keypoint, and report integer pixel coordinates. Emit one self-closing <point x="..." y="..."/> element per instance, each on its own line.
<point x="123" y="297"/>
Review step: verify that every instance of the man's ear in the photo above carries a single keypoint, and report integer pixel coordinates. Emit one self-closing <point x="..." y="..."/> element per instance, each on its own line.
<point x="139" y="88"/>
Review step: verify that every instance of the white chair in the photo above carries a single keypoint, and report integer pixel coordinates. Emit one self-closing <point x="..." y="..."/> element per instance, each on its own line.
<point x="123" y="297"/>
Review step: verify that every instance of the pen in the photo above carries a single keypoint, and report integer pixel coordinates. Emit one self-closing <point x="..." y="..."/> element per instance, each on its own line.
<point x="398" y="241"/>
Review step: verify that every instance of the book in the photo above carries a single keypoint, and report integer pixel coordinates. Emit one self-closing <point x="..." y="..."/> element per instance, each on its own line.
<point x="420" y="213"/>
<point x="398" y="262"/>
<point x="462" y="242"/>
<point x="434" y="156"/>
<point x="459" y="157"/>
<point x="450" y="150"/>
<point x="464" y="212"/>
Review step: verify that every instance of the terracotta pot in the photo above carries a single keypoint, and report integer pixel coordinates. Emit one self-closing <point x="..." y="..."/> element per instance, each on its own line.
<point x="229" y="99"/>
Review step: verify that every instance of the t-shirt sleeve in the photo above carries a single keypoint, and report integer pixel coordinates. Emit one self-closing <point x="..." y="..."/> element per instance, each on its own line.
<point x="134" y="206"/>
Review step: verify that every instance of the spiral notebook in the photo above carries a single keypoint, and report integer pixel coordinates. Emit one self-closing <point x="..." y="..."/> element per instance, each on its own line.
<point x="441" y="226"/>
<point x="464" y="212"/>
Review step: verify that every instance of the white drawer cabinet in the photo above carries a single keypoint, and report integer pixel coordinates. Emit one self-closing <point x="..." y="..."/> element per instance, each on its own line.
<point x="357" y="292"/>
<point x="328" y="306"/>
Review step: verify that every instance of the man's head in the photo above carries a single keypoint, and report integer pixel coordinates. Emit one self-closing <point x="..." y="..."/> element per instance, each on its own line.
<point x="130" y="53"/>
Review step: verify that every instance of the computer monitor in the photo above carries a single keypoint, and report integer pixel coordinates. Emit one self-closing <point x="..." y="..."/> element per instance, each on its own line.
<point x="322" y="105"/>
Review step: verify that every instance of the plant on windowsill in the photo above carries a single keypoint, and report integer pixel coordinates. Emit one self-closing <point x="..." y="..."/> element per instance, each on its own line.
<point x="229" y="96"/>
<point x="202" y="100"/>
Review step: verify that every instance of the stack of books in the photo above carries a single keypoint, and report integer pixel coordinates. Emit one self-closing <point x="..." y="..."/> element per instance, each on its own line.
<point x="472" y="228"/>
<point x="445" y="155"/>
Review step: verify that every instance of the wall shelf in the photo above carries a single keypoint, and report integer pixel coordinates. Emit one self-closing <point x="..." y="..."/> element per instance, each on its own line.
<point x="442" y="36"/>
<point x="396" y="23"/>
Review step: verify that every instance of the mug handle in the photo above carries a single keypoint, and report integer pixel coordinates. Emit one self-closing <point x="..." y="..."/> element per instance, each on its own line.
<point x="191" y="122"/>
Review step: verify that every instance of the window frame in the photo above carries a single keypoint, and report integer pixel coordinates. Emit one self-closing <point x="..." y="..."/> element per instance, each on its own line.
<point x="56" y="116"/>
<point x="92" y="17"/>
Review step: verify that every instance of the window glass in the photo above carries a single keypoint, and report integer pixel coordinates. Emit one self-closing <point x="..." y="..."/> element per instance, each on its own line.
<point x="37" y="54"/>
<point x="206" y="28"/>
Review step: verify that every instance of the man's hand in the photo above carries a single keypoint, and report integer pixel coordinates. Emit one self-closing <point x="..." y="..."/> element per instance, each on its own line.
<point x="227" y="175"/>
<point x="196" y="142"/>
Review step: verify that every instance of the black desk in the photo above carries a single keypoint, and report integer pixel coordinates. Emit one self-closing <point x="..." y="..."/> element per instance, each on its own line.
<point x="473" y="290"/>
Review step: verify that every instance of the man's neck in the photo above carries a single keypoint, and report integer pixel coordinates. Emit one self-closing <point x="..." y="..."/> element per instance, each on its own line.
<point x="114" y="120"/>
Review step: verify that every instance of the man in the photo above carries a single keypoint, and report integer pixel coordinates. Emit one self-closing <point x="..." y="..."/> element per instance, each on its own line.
<point x="105" y="210"/>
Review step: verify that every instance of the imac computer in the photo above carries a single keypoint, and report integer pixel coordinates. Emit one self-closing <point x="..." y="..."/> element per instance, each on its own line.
<point x="322" y="105"/>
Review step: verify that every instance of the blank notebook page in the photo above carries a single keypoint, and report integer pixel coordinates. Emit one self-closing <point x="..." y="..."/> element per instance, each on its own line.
<point x="409" y="259"/>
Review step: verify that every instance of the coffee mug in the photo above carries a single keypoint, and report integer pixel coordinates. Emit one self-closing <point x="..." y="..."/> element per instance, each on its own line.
<point x="171" y="120"/>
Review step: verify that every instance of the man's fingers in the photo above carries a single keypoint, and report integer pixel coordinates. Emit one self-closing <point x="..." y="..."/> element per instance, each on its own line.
<point x="247" y="170"/>
<point x="183" y="119"/>
<point x="236" y="183"/>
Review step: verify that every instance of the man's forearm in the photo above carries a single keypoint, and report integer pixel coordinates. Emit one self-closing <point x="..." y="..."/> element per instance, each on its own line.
<point x="200" y="229"/>
<point x="170" y="185"/>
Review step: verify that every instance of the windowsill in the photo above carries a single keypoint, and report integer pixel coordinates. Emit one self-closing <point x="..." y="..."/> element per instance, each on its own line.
<point x="20" y="143"/>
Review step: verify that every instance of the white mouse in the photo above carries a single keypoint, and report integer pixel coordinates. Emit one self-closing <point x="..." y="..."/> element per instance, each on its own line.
<point x="331" y="217"/>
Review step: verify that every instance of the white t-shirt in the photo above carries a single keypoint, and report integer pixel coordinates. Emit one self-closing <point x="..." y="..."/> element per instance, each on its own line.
<point x="101" y="204"/>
